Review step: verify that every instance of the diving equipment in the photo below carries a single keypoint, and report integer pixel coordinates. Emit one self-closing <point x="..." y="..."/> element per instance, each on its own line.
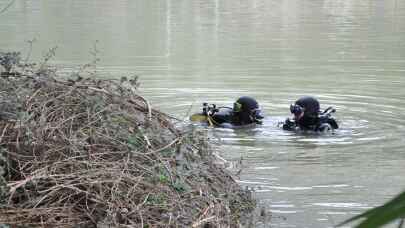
<point x="308" y="116"/>
<point x="245" y="111"/>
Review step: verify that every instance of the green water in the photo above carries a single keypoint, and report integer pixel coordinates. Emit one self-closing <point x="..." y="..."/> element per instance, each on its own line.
<point x="349" y="54"/>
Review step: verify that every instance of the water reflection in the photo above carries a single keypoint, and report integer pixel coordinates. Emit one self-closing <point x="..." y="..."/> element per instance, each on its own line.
<point x="348" y="54"/>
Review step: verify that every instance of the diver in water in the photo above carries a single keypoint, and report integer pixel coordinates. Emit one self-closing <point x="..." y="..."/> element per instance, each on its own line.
<point x="308" y="116"/>
<point x="245" y="112"/>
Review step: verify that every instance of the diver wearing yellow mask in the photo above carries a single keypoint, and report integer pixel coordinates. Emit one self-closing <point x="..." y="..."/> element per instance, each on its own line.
<point x="245" y="112"/>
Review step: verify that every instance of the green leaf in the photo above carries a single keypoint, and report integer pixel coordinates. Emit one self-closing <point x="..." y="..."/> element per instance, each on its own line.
<point x="379" y="216"/>
<point x="179" y="186"/>
<point x="382" y="218"/>
<point x="163" y="178"/>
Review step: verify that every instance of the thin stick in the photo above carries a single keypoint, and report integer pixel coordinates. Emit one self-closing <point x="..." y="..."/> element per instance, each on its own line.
<point x="188" y="112"/>
<point x="4" y="132"/>
<point x="7" y="6"/>
<point x="198" y="223"/>
<point x="178" y="139"/>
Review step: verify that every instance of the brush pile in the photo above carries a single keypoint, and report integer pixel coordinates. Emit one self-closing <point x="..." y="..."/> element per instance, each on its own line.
<point x="93" y="153"/>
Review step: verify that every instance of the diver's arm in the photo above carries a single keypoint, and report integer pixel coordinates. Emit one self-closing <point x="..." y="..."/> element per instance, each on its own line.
<point x="333" y="123"/>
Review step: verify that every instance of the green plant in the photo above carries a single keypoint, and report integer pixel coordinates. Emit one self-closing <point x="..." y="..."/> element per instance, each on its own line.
<point x="134" y="142"/>
<point x="379" y="216"/>
<point x="163" y="178"/>
<point x="157" y="199"/>
<point x="179" y="186"/>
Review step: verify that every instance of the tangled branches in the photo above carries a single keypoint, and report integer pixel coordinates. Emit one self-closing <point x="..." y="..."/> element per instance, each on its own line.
<point x="93" y="153"/>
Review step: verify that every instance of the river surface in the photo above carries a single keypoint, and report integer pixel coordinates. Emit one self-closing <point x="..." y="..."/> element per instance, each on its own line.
<point x="349" y="54"/>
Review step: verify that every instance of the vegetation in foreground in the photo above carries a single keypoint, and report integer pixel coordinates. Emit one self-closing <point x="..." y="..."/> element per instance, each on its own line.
<point x="382" y="215"/>
<point x="93" y="153"/>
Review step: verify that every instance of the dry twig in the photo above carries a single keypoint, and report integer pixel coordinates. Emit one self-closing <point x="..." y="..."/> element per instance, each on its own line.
<point x="84" y="154"/>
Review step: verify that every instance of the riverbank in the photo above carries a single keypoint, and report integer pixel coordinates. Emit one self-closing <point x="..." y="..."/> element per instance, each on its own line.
<point x="87" y="152"/>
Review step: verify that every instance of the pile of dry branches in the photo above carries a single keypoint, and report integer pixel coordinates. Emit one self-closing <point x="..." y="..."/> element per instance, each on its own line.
<point x="93" y="153"/>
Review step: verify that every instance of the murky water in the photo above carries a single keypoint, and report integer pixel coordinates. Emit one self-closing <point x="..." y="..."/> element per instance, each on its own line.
<point x="349" y="54"/>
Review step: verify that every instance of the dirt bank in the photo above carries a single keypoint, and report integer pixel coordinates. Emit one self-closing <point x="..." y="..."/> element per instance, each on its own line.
<point x="86" y="152"/>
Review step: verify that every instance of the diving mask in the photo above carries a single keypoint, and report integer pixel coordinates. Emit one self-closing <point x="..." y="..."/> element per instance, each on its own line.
<point x="257" y="113"/>
<point x="296" y="109"/>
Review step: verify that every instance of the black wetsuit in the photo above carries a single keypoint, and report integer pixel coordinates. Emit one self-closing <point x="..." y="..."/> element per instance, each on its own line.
<point x="245" y="111"/>
<point x="307" y="110"/>
<point x="319" y="123"/>
<point x="227" y="115"/>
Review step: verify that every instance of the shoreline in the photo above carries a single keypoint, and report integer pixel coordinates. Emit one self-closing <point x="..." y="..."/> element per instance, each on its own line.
<point x="88" y="152"/>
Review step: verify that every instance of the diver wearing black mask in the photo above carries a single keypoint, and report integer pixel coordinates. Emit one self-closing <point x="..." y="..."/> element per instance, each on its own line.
<point x="245" y="111"/>
<point x="308" y="117"/>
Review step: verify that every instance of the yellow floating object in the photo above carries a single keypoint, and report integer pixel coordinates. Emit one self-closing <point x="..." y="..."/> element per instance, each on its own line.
<point x="198" y="117"/>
